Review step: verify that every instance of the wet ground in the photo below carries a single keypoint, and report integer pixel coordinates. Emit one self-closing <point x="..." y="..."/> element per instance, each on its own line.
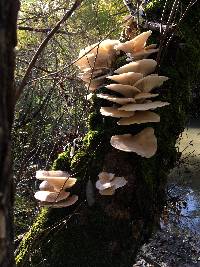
<point x="177" y="244"/>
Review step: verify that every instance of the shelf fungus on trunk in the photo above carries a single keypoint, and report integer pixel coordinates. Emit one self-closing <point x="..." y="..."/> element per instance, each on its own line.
<point x="143" y="66"/>
<point x="52" y="190"/>
<point x="108" y="183"/>
<point x="135" y="82"/>
<point x="143" y="143"/>
<point x="95" y="62"/>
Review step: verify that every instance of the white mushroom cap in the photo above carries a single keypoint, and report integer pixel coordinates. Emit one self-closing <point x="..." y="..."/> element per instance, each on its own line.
<point x="41" y="175"/>
<point x="128" y="78"/>
<point x="98" y="55"/>
<point x="117" y="182"/>
<point x="46" y="186"/>
<point x="144" y="106"/>
<point x="143" y="143"/>
<point x="136" y="44"/>
<point x="144" y="66"/>
<point x="144" y="53"/>
<point x="140" y="117"/>
<point x="113" y="112"/>
<point x="126" y="90"/>
<point x="119" y="100"/>
<point x="62" y="204"/>
<point x="150" y="82"/>
<point x="51" y="196"/>
<point x="106" y="176"/>
<point x="144" y="96"/>
<point x="61" y="182"/>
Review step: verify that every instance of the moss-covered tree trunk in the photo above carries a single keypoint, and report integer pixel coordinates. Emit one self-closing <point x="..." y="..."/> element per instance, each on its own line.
<point x="110" y="232"/>
<point x="8" y="17"/>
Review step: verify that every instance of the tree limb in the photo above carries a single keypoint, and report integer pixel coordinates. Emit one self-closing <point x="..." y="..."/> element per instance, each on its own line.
<point x="44" y="30"/>
<point x="19" y="90"/>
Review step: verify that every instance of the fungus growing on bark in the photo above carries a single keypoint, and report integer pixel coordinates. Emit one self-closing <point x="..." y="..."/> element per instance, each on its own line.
<point x="114" y="112"/>
<point x="51" y="196"/>
<point x="144" y="66"/>
<point x="143" y="143"/>
<point x="52" y="188"/>
<point x="136" y="44"/>
<point x="61" y="204"/>
<point x="108" y="183"/>
<point x="140" y="117"/>
<point x="119" y="100"/>
<point x="128" y="78"/>
<point x="125" y="90"/>
<point x="143" y="106"/>
<point x="95" y="62"/>
<point x="150" y="82"/>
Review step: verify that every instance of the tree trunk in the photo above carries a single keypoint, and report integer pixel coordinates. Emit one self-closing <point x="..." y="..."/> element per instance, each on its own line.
<point x="111" y="231"/>
<point x="8" y="17"/>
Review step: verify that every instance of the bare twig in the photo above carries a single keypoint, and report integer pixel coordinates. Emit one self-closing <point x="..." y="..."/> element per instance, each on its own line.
<point x="76" y="5"/>
<point x="44" y="30"/>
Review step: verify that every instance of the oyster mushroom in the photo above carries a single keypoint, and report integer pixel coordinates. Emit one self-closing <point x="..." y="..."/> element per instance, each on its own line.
<point x="140" y="117"/>
<point x="144" y="66"/>
<point x="143" y="106"/>
<point x="61" y="204"/>
<point x="143" y="143"/>
<point x="128" y="78"/>
<point x="134" y="45"/>
<point x="48" y="196"/>
<point x="150" y="82"/>
<point x="119" y="100"/>
<point x="125" y="90"/>
<point x="114" y="112"/>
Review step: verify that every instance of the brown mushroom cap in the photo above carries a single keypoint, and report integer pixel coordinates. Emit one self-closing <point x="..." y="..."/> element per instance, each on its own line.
<point x="135" y="44"/>
<point x="41" y="174"/>
<point x="119" y="100"/>
<point x="143" y="143"/>
<point x="128" y="78"/>
<point x="126" y="90"/>
<point x="150" y="82"/>
<point x="62" y="204"/>
<point x="46" y="186"/>
<point x="144" y="106"/>
<point x="140" y="117"/>
<point x="114" y="112"/>
<point x="48" y="196"/>
<point x="144" y="66"/>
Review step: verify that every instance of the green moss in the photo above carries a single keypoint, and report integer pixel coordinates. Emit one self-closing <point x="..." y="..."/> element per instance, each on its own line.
<point x="31" y="238"/>
<point x="62" y="162"/>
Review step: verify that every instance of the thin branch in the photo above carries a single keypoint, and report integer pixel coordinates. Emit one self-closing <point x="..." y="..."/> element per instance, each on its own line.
<point x="44" y="30"/>
<point x="44" y="44"/>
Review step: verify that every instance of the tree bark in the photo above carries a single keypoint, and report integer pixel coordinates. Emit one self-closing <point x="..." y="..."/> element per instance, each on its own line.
<point x="8" y="18"/>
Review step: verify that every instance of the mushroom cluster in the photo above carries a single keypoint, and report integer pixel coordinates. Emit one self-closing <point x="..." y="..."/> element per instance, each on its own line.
<point x="108" y="183"/>
<point x="135" y="82"/>
<point x="95" y="62"/>
<point x="52" y="190"/>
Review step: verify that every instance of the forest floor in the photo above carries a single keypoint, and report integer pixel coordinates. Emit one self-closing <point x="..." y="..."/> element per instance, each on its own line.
<point x="177" y="243"/>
